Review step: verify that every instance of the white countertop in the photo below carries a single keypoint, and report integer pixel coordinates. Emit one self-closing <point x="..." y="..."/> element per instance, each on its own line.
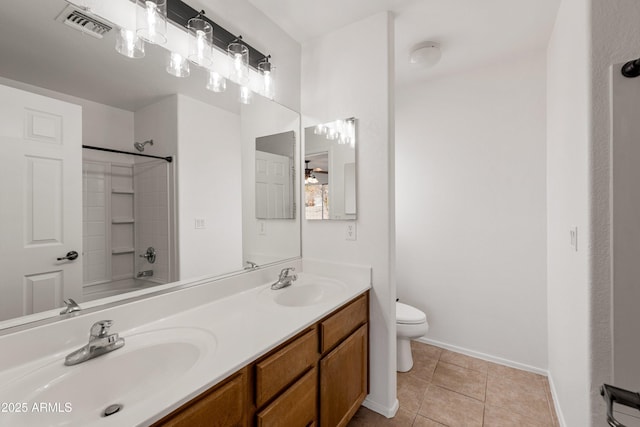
<point x="241" y="328"/>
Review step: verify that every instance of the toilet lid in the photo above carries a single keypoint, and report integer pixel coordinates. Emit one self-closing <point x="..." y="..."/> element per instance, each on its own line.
<point x="409" y="315"/>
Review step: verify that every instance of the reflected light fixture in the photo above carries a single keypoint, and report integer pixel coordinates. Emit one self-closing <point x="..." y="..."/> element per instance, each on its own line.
<point x="266" y="69"/>
<point x="216" y="82"/>
<point x="239" y="55"/>
<point x="151" y="20"/>
<point x="245" y="95"/>
<point x="129" y="44"/>
<point x="200" y="36"/>
<point x="177" y="65"/>
<point x="425" y="54"/>
<point x="87" y="5"/>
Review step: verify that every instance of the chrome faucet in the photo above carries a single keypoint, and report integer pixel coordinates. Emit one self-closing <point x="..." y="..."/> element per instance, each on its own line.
<point x="100" y="342"/>
<point x="71" y="306"/>
<point x="284" y="279"/>
<point x="252" y="265"/>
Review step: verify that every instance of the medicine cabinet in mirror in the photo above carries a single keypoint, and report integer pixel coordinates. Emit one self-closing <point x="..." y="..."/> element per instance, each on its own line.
<point x="136" y="223"/>
<point x="330" y="170"/>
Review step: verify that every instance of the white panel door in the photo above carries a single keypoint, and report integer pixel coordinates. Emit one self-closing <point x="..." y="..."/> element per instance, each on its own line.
<point x="273" y="186"/>
<point x="40" y="202"/>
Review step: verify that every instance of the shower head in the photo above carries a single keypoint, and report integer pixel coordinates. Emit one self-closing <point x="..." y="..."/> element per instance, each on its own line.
<point x="140" y="145"/>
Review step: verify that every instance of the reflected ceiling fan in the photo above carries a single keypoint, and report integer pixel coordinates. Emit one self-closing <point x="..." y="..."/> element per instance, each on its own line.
<point x="309" y="173"/>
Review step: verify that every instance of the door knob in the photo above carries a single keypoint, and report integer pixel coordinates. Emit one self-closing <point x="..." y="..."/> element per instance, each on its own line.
<point x="70" y="256"/>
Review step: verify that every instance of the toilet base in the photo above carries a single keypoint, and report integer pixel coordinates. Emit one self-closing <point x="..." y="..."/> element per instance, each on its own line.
<point x="403" y="355"/>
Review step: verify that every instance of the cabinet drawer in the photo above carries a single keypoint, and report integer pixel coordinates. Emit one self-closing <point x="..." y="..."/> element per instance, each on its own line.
<point x="340" y="325"/>
<point x="280" y="369"/>
<point x="296" y="407"/>
<point x="223" y="406"/>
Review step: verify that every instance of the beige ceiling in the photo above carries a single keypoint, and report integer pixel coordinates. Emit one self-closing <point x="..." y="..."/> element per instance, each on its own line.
<point x="471" y="32"/>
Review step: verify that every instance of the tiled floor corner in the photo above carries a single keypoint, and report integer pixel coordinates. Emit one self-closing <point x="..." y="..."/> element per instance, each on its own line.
<point x="450" y="389"/>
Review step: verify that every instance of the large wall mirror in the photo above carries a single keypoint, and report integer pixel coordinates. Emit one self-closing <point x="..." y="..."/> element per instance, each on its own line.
<point x="119" y="222"/>
<point x="330" y="170"/>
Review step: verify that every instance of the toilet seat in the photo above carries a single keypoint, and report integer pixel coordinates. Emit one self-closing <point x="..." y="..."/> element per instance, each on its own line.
<point x="407" y="315"/>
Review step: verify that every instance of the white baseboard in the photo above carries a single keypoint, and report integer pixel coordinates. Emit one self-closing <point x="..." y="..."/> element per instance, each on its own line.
<point x="554" y="394"/>
<point x="381" y="409"/>
<point x="484" y="356"/>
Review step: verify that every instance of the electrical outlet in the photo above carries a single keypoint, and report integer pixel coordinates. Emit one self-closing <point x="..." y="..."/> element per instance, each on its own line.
<point x="200" y="224"/>
<point x="262" y="228"/>
<point x="573" y="235"/>
<point x="351" y="231"/>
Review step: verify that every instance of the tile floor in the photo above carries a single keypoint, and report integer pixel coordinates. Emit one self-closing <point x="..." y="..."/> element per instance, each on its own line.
<point x="450" y="389"/>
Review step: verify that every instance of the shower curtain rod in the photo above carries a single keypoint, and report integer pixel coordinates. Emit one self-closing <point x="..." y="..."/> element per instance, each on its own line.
<point x="90" y="147"/>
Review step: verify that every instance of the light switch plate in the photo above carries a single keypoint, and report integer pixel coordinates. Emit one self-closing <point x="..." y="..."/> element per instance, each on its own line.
<point x="351" y="231"/>
<point x="573" y="235"/>
<point x="262" y="228"/>
<point x="200" y="223"/>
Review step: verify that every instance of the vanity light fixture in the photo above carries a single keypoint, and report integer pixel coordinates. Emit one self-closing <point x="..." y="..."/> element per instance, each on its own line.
<point x="151" y="20"/>
<point x="199" y="38"/>
<point x="86" y="5"/>
<point x="239" y="55"/>
<point x="129" y="44"/>
<point x="177" y="65"/>
<point x="266" y="69"/>
<point x="216" y="82"/>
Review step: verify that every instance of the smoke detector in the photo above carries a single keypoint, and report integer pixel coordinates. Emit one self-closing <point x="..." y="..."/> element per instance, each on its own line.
<point x="83" y="22"/>
<point x="425" y="54"/>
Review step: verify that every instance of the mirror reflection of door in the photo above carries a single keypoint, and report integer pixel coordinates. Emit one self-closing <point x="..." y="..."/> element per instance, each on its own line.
<point x="275" y="175"/>
<point x="41" y="216"/>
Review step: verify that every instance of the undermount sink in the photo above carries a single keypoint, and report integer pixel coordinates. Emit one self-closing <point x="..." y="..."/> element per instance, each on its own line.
<point x="307" y="290"/>
<point x="149" y="363"/>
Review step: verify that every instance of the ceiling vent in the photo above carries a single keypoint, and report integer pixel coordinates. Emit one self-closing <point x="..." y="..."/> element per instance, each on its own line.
<point x="83" y="22"/>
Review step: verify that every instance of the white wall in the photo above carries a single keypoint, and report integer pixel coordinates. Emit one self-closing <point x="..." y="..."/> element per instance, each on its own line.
<point x="337" y="83"/>
<point x="209" y="187"/>
<point x="102" y="125"/>
<point x="470" y="200"/>
<point x="568" y="144"/>
<point x="594" y="34"/>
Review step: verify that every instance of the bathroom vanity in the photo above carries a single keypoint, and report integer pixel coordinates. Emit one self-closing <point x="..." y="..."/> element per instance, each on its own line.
<point x="319" y="377"/>
<point x="233" y="352"/>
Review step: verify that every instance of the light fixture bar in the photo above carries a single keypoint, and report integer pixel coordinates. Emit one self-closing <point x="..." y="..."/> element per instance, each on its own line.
<point x="179" y="13"/>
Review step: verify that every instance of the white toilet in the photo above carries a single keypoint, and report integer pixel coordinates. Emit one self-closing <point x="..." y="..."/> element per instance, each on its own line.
<point x="410" y="323"/>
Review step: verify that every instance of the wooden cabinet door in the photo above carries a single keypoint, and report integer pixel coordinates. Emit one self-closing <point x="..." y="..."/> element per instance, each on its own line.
<point x="343" y="380"/>
<point x="223" y="406"/>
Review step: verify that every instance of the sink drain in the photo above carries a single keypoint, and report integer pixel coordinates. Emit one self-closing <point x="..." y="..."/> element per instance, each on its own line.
<point x="112" y="409"/>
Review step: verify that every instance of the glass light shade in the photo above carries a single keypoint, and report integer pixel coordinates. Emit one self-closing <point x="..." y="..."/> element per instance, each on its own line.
<point x="151" y="20"/>
<point x="266" y="70"/>
<point x="239" y="55"/>
<point x="88" y="5"/>
<point x="200" y="37"/>
<point x="216" y="82"/>
<point x="177" y="65"/>
<point x="245" y="95"/>
<point x="332" y="134"/>
<point x="128" y="44"/>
